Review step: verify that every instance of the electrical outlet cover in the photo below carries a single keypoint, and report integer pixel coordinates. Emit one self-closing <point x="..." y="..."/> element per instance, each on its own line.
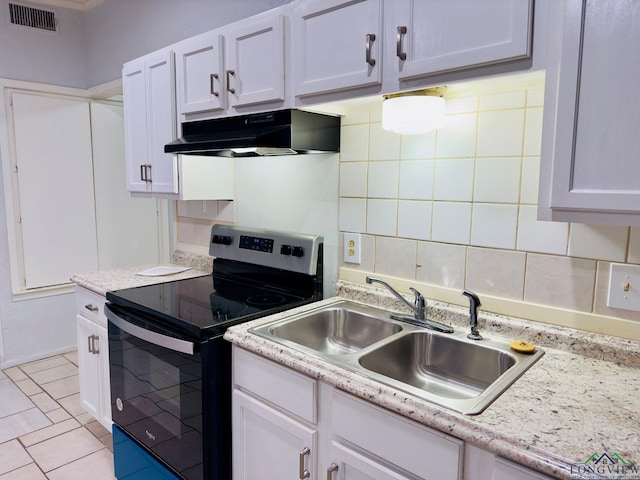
<point x="352" y="248"/>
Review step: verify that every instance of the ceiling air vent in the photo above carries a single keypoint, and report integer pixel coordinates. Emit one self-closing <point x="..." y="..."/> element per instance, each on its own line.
<point x="31" y="17"/>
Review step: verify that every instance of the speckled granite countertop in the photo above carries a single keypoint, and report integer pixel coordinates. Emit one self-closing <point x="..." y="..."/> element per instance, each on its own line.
<point x="103" y="281"/>
<point x="581" y="397"/>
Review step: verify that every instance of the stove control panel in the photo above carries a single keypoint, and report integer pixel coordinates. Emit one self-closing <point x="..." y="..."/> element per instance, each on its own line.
<point x="295" y="252"/>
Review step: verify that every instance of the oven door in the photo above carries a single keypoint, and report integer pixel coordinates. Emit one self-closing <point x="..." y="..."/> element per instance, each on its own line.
<point x="156" y="390"/>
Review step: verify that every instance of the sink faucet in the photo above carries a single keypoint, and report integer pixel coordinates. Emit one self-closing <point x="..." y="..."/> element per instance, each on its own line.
<point x="474" y="303"/>
<point x="418" y="307"/>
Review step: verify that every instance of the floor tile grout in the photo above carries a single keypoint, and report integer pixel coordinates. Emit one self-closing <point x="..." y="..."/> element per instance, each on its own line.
<point x="82" y="421"/>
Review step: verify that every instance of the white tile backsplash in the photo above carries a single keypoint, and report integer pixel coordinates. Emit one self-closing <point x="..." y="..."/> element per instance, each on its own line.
<point x="494" y="225"/>
<point x="415" y="147"/>
<point x="563" y="282"/>
<point x="603" y="242"/>
<point x="353" y="179"/>
<point x="354" y="142"/>
<point x="396" y="257"/>
<point x="461" y="105"/>
<point x="500" y="133"/>
<point x="382" y="217"/>
<point x="495" y="272"/>
<point x="539" y="236"/>
<point x="414" y="219"/>
<point x="497" y="180"/>
<point x="501" y="101"/>
<point x="457" y="138"/>
<point x="441" y="264"/>
<point x="453" y="179"/>
<point x="383" y="145"/>
<point x="416" y="179"/>
<point x="451" y="222"/>
<point x="533" y="132"/>
<point x="383" y="179"/>
<point x="530" y="180"/>
<point x="353" y="215"/>
<point x="634" y="246"/>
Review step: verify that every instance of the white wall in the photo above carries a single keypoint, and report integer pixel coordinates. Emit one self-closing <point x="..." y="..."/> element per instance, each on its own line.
<point x="56" y="58"/>
<point x="121" y="30"/>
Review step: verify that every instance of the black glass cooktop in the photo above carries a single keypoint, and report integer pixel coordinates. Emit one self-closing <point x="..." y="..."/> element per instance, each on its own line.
<point x="203" y="306"/>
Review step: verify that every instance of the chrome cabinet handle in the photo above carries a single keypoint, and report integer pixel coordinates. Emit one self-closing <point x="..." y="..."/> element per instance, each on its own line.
<point x="401" y="30"/>
<point x="332" y="468"/>
<point x="142" y="172"/>
<point x="229" y="73"/>
<point x="304" y="473"/>
<point x="91" y="308"/>
<point x="96" y="341"/>
<point x="212" y="77"/>
<point x="371" y="37"/>
<point x="89" y="343"/>
<point x="147" y="173"/>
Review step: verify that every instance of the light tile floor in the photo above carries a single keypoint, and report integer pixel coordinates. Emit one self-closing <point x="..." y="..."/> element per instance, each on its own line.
<point x="44" y="432"/>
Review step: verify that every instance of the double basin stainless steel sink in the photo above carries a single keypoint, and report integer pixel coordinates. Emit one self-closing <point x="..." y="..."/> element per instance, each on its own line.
<point x="444" y="368"/>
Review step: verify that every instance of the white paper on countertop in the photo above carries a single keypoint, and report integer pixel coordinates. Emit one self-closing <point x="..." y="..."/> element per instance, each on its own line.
<point x="162" y="270"/>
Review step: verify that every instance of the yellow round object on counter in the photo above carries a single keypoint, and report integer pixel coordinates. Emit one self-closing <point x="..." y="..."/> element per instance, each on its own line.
<point x="521" y="346"/>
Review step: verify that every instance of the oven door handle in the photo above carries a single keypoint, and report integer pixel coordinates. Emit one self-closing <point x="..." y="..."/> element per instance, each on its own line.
<point x="165" y="341"/>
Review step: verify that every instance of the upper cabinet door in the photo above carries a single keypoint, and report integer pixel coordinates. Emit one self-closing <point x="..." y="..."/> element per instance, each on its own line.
<point x="435" y="36"/>
<point x="591" y="121"/>
<point x="254" y="55"/>
<point x="161" y="122"/>
<point x="135" y="125"/>
<point x="337" y="46"/>
<point x="200" y="75"/>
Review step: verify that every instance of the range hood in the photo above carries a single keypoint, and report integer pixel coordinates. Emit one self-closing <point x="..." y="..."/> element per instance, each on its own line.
<point x="282" y="132"/>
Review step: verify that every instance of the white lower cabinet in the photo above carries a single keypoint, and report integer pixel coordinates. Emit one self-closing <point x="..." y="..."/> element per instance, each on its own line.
<point x="286" y="425"/>
<point x="93" y="356"/>
<point x="289" y="426"/>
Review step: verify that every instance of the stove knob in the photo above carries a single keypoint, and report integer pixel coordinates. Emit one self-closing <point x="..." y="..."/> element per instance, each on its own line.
<point x="225" y="240"/>
<point x="297" y="252"/>
<point x="215" y="239"/>
<point x="285" y="249"/>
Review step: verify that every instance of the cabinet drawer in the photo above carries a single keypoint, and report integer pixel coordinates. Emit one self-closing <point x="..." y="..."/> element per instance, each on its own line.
<point x="415" y="448"/>
<point x="91" y="305"/>
<point x="281" y="386"/>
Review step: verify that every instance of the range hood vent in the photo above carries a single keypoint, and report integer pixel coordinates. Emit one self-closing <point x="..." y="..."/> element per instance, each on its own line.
<point x="31" y="17"/>
<point x="282" y="132"/>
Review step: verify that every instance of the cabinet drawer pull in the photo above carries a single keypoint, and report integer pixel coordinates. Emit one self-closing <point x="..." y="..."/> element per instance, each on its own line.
<point x="332" y="468"/>
<point x="147" y="173"/>
<point x="142" y="172"/>
<point x="371" y="37"/>
<point x="229" y="73"/>
<point x="91" y="307"/>
<point x="90" y="344"/>
<point x="96" y="344"/>
<point x="401" y="30"/>
<point x="212" y="77"/>
<point x="304" y="473"/>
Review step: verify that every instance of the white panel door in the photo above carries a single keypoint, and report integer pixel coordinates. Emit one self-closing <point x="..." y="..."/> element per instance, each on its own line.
<point x="55" y="182"/>
<point x="445" y="35"/>
<point x="350" y="465"/>
<point x="127" y="227"/>
<point x="254" y="56"/>
<point x="338" y="45"/>
<point x="200" y="75"/>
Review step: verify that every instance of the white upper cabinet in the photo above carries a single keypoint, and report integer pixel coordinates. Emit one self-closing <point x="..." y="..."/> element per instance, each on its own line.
<point x="589" y="163"/>
<point x="199" y="74"/>
<point x="337" y="45"/>
<point x="149" y="98"/>
<point x="224" y="71"/>
<point x="149" y="122"/>
<point x="436" y="36"/>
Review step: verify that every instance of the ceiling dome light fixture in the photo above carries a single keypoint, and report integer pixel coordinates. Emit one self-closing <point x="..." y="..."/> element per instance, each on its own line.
<point x="414" y="113"/>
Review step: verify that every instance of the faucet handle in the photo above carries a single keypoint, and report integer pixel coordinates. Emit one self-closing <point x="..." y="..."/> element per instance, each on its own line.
<point x="419" y="303"/>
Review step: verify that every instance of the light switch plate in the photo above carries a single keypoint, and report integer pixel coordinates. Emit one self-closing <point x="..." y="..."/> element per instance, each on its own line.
<point x="624" y="287"/>
<point x="352" y="248"/>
